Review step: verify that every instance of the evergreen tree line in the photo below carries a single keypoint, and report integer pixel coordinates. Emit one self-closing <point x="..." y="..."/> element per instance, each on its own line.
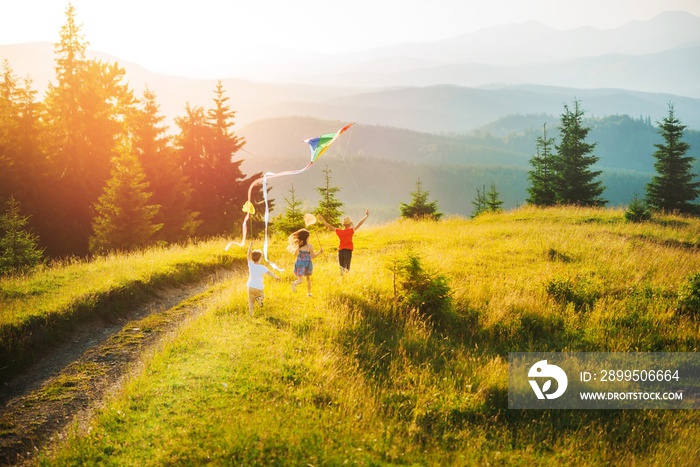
<point x="94" y="168"/>
<point x="561" y="173"/>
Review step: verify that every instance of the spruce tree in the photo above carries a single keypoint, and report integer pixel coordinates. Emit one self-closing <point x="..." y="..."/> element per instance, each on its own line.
<point x="171" y="188"/>
<point x="493" y="200"/>
<point x="206" y="149"/>
<point x="85" y="113"/>
<point x="673" y="188"/>
<point x="226" y="187"/>
<point x="487" y="201"/>
<point x="329" y="206"/>
<point x="576" y="182"/>
<point x="637" y="210"/>
<point x="543" y="177"/>
<point x="125" y="217"/>
<point x="19" y="249"/>
<point x="420" y="208"/>
<point x="23" y="164"/>
<point x="293" y="217"/>
<point x="479" y="202"/>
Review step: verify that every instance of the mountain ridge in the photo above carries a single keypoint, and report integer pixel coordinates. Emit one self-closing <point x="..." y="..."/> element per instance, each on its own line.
<point x="459" y="96"/>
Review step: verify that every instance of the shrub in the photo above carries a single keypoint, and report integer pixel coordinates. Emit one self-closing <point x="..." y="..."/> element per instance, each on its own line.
<point x="689" y="297"/>
<point x="418" y="289"/>
<point x="637" y="210"/>
<point x="581" y="294"/>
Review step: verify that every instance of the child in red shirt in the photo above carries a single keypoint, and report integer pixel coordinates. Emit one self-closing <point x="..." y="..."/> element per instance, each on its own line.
<point x="345" y="236"/>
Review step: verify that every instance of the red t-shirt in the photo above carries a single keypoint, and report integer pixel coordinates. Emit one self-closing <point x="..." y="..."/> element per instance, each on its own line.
<point x="345" y="236"/>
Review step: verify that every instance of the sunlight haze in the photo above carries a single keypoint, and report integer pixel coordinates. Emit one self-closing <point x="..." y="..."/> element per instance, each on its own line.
<point x="203" y="39"/>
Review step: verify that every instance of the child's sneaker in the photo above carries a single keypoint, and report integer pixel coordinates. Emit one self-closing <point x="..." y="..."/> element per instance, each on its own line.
<point x="260" y="301"/>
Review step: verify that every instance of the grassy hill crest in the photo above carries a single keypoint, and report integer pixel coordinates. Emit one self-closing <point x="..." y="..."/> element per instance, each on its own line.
<point x="356" y="373"/>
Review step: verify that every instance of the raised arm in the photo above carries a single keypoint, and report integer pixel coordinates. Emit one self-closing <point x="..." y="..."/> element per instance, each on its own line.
<point x="362" y="221"/>
<point x="323" y="221"/>
<point x="250" y="249"/>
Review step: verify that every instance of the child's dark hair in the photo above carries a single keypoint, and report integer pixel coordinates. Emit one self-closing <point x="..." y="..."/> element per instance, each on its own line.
<point x="255" y="255"/>
<point x="297" y="240"/>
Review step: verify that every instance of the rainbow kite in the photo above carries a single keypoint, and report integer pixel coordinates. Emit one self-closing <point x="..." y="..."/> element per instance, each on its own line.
<point x="318" y="146"/>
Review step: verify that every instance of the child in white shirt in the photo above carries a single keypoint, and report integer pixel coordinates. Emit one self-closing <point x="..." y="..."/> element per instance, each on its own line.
<point x="256" y="273"/>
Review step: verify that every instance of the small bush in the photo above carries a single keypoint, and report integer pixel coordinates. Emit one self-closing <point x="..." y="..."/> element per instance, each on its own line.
<point x="418" y="289"/>
<point x="689" y="297"/>
<point x="637" y="210"/>
<point x="580" y="293"/>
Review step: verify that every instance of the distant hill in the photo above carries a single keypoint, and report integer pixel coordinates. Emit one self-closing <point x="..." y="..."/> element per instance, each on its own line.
<point x="622" y="142"/>
<point x="378" y="167"/>
<point x="449" y="108"/>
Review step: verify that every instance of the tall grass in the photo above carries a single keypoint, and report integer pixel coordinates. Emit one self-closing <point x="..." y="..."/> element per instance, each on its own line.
<point x="359" y="373"/>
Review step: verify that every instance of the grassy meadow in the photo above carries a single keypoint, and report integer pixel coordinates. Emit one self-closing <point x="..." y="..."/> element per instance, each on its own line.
<point x="404" y="360"/>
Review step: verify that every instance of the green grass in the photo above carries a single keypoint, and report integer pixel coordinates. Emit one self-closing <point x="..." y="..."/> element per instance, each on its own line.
<point x="38" y="308"/>
<point x="352" y="375"/>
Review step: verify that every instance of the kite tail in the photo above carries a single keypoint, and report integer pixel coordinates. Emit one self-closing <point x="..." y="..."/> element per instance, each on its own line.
<point x="248" y="207"/>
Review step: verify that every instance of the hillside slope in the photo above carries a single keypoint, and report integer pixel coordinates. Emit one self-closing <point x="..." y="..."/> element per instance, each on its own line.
<point x="361" y="373"/>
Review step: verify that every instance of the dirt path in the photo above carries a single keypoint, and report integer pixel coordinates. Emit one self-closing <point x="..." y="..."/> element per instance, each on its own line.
<point x="40" y="403"/>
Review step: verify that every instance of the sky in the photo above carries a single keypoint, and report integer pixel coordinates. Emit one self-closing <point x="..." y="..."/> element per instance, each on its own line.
<point x="196" y="38"/>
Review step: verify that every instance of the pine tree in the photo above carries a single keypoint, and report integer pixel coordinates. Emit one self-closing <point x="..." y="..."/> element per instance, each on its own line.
<point x="543" y="175"/>
<point x="23" y="166"/>
<point x="19" y="249"/>
<point x="329" y="206"/>
<point x="293" y="217"/>
<point x="125" y="217"/>
<point x="420" y="208"/>
<point x="493" y="200"/>
<point x="85" y="113"/>
<point x="673" y="189"/>
<point x="227" y="182"/>
<point x="171" y="189"/>
<point x="479" y="202"/>
<point x="206" y="147"/>
<point x="637" y="210"/>
<point x="10" y="174"/>
<point x="575" y="179"/>
<point x="487" y="201"/>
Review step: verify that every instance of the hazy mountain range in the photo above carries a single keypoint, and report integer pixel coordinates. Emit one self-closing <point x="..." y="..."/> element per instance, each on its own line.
<point x="467" y="109"/>
<point x="451" y="85"/>
<point x="659" y="55"/>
